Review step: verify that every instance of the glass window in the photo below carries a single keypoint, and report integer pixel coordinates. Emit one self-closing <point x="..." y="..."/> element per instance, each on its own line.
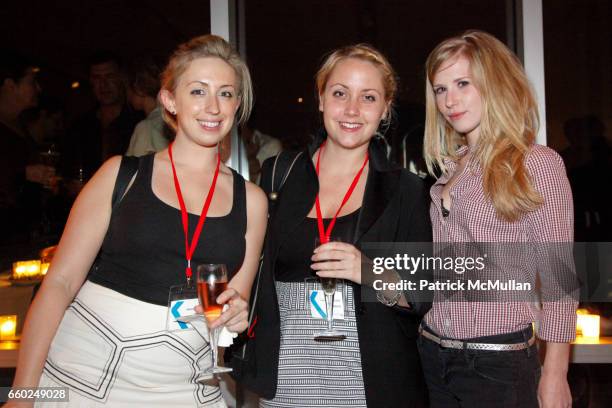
<point x="60" y="35"/>
<point x="60" y="39"/>
<point x="285" y="43"/>
<point x="578" y="51"/>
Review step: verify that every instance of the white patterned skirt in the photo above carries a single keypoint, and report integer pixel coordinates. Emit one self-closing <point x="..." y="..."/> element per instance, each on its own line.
<point x="113" y="350"/>
<point x="311" y="373"/>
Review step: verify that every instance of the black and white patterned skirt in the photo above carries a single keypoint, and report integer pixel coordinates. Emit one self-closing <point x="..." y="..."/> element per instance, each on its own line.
<point x="113" y="350"/>
<point x="310" y="373"/>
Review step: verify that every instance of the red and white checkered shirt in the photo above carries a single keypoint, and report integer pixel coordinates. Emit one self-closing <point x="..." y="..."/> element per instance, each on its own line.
<point x="473" y="218"/>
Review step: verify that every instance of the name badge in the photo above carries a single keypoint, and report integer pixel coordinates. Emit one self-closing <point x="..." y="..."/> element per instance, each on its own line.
<point x="318" y="307"/>
<point x="182" y="300"/>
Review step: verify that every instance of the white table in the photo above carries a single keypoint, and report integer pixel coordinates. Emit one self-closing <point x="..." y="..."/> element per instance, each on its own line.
<point x="8" y="354"/>
<point x="591" y="351"/>
<point x="14" y="300"/>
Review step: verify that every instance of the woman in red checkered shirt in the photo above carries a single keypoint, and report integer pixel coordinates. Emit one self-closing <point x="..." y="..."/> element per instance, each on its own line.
<point x="495" y="186"/>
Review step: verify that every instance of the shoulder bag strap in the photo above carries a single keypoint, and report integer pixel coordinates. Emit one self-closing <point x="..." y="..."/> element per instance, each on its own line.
<point x="127" y="170"/>
<point x="284" y="169"/>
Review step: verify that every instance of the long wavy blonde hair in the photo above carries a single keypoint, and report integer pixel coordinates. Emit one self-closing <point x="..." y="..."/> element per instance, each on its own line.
<point x="508" y="125"/>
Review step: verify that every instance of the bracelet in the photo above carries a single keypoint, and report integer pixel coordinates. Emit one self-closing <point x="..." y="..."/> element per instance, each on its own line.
<point x="388" y="302"/>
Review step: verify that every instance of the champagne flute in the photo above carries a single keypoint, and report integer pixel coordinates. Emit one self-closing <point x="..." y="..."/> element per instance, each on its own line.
<point x="329" y="289"/>
<point x="212" y="281"/>
<point x="50" y="159"/>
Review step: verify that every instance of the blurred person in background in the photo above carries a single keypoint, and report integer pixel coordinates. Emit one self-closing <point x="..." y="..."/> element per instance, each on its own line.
<point x="259" y="146"/>
<point x="151" y="134"/>
<point x="21" y="176"/>
<point x="103" y="132"/>
<point x="588" y="157"/>
<point x="45" y="124"/>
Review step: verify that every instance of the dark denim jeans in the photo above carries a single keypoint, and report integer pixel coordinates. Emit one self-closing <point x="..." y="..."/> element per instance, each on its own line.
<point x="479" y="378"/>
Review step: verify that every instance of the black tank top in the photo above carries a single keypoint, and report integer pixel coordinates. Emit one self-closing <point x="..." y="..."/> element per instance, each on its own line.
<point x="143" y="252"/>
<point x="293" y="262"/>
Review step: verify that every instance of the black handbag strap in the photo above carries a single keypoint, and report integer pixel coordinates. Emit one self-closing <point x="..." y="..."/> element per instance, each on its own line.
<point x="127" y="170"/>
<point x="283" y="163"/>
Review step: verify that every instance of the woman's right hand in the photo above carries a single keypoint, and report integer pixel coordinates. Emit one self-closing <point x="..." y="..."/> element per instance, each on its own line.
<point x="235" y="317"/>
<point x="346" y="262"/>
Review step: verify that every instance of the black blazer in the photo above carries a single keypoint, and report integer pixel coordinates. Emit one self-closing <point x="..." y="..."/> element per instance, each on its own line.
<point x="394" y="209"/>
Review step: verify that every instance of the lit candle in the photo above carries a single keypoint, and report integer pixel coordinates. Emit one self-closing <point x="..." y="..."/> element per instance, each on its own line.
<point x="44" y="267"/>
<point x="26" y="269"/>
<point x="580" y="312"/>
<point x="8" y="326"/>
<point x="590" y="325"/>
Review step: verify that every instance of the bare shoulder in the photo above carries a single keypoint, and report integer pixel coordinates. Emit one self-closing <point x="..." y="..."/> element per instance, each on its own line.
<point x="256" y="198"/>
<point x="108" y="170"/>
<point x="104" y="179"/>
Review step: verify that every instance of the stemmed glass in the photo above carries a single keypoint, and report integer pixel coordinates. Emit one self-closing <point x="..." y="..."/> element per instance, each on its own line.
<point x="212" y="281"/>
<point x="50" y="158"/>
<point x="329" y="289"/>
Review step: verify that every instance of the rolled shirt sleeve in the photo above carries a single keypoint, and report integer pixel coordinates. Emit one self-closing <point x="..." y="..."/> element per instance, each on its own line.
<point x="552" y="229"/>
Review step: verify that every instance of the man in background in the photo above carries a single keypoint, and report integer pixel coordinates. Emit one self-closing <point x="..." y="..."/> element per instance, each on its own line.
<point x="103" y="132"/>
<point x="21" y="177"/>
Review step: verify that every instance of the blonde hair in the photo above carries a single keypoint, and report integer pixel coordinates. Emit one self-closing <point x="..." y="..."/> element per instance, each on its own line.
<point x="508" y="125"/>
<point x="364" y="52"/>
<point x="203" y="47"/>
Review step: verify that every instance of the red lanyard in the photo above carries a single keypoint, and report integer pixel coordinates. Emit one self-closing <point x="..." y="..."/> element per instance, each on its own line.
<point x="189" y="249"/>
<point x="325" y="234"/>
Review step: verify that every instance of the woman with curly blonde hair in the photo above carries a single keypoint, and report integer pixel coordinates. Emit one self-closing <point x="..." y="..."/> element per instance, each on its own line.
<point x="495" y="185"/>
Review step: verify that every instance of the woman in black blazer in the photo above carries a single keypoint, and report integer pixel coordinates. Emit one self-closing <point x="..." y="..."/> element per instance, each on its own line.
<point x="377" y="364"/>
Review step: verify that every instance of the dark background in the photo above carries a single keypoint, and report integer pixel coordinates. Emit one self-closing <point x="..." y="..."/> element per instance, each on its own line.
<point x="286" y="40"/>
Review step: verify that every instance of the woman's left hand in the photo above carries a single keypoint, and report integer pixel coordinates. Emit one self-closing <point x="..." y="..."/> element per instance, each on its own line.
<point x="337" y="260"/>
<point x="235" y="318"/>
<point x="554" y="391"/>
